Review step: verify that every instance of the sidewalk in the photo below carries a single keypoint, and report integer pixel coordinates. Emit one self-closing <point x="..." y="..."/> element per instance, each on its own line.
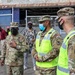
<point x="30" y="70"/>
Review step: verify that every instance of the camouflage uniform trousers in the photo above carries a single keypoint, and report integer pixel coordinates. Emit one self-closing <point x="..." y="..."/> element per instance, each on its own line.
<point x="45" y="72"/>
<point x="14" y="70"/>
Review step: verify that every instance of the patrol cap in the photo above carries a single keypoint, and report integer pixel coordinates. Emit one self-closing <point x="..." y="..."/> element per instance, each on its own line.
<point x="14" y="24"/>
<point x="67" y="11"/>
<point x="44" y="18"/>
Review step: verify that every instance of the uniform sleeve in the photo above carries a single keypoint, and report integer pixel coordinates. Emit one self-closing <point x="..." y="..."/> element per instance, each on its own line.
<point x="71" y="54"/>
<point x="56" y="41"/>
<point x="22" y="46"/>
<point x="34" y="52"/>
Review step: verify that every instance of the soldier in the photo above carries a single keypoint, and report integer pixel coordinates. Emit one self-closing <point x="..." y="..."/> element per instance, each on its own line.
<point x="66" y="61"/>
<point x="46" y="48"/>
<point x="14" y="47"/>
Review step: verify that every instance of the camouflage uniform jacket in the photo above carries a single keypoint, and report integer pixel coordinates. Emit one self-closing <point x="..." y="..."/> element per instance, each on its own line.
<point x="29" y="36"/>
<point x="71" y="53"/>
<point x="56" y="42"/>
<point x="14" y="56"/>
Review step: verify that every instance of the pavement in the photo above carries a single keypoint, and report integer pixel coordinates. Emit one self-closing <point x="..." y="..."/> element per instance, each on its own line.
<point x="28" y="71"/>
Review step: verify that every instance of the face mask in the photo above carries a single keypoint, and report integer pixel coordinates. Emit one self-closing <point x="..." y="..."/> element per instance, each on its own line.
<point x="30" y="26"/>
<point x="8" y="30"/>
<point x="14" y="31"/>
<point x="60" y="26"/>
<point x="41" y="27"/>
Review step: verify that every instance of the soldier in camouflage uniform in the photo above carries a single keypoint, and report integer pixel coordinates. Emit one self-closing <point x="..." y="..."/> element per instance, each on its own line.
<point x="14" y="47"/>
<point x="66" y="62"/>
<point x="44" y="65"/>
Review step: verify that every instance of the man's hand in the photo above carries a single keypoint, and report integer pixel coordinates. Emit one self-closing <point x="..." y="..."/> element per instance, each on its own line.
<point x="33" y="40"/>
<point x="2" y="62"/>
<point x="13" y="44"/>
<point x="36" y="57"/>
